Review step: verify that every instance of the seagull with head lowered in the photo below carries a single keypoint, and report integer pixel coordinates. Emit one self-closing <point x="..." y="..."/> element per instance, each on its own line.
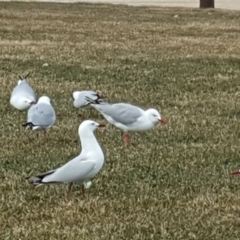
<point x="79" y="98"/>
<point x="128" y="117"/>
<point x="23" y="96"/>
<point x="41" y="116"/>
<point x="80" y="169"/>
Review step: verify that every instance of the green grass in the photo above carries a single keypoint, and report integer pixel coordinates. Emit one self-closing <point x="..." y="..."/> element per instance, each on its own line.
<point x="174" y="181"/>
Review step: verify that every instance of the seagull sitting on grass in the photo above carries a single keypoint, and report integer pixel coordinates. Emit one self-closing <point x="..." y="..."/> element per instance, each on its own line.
<point x="41" y="116"/>
<point x="23" y="96"/>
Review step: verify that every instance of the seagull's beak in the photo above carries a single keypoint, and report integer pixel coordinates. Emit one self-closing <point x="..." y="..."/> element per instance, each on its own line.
<point x="101" y="125"/>
<point x="30" y="102"/>
<point x="236" y="172"/>
<point x="162" y="121"/>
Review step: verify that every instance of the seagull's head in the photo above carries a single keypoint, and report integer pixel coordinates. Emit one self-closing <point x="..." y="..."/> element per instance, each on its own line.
<point x="89" y="126"/>
<point x="154" y="116"/>
<point x="44" y="99"/>
<point x="75" y="94"/>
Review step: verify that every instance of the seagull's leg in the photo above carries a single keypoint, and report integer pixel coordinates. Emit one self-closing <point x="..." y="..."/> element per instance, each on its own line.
<point x="83" y="190"/>
<point x="69" y="191"/>
<point x="45" y="133"/>
<point x="80" y="115"/>
<point x="126" y="138"/>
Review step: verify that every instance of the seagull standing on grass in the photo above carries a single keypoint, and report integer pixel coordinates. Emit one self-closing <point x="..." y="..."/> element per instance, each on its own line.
<point x="128" y="117"/>
<point x="23" y="96"/>
<point x="41" y="116"/>
<point x="83" y="167"/>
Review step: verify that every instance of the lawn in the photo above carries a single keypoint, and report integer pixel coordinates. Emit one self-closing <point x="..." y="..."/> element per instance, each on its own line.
<point x="174" y="181"/>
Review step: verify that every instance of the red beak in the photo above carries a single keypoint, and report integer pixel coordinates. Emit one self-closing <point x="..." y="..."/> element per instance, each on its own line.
<point x="31" y="103"/>
<point x="101" y="125"/>
<point x="162" y="121"/>
<point x="236" y="172"/>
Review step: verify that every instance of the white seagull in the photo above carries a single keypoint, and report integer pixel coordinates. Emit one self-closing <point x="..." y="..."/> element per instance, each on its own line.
<point x="23" y="96"/>
<point x="81" y="168"/>
<point x="41" y="116"/>
<point x="79" y="98"/>
<point x="128" y="117"/>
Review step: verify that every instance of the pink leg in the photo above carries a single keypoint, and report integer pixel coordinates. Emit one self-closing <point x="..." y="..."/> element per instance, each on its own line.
<point x="45" y="133"/>
<point x="83" y="190"/>
<point x="126" y="138"/>
<point x="69" y="192"/>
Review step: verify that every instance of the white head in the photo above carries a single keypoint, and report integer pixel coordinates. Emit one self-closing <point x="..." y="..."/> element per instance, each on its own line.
<point x="75" y="95"/>
<point x="88" y="126"/>
<point x="154" y="116"/>
<point x="44" y="99"/>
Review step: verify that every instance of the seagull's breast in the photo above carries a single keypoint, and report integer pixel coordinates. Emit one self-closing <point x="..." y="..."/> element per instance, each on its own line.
<point x="99" y="161"/>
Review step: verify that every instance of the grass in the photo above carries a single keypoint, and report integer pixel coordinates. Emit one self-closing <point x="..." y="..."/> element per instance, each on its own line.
<point x="174" y="181"/>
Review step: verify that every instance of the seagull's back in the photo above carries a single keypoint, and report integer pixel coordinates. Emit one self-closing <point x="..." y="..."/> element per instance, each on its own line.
<point x="41" y="114"/>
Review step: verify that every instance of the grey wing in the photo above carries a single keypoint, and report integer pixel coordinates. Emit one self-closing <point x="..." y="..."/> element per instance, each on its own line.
<point x="41" y="115"/>
<point x="123" y="113"/>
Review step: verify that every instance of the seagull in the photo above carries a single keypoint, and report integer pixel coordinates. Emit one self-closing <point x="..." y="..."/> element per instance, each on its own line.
<point x="23" y="96"/>
<point x="81" y="168"/>
<point x="128" y="117"/>
<point x="79" y="98"/>
<point x="41" y="116"/>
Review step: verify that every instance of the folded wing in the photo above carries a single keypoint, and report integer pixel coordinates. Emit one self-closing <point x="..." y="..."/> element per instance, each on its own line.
<point x="124" y="113"/>
<point x="74" y="171"/>
<point x="41" y="115"/>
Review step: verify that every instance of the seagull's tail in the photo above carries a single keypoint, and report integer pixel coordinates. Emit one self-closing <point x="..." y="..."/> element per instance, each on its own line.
<point x="24" y="78"/>
<point x="28" y="125"/>
<point x="37" y="180"/>
<point x="100" y="97"/>
<point x="98" y="100"/>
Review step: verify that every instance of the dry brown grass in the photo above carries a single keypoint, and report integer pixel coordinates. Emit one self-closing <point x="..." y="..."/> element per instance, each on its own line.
<point x="173" y="182"/>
